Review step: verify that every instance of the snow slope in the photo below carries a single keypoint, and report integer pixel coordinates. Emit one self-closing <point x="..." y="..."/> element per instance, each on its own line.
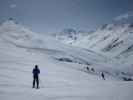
<point x="113" y="40"/>
<point x="63" y="74"/>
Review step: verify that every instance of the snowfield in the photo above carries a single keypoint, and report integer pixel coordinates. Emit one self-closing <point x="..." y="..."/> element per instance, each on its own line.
<point x="63" y="69"/>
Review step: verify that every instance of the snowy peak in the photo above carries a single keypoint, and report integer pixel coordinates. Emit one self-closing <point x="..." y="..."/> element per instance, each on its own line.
<point x="68" y="36"/>
<point x="11" y="24"/>
<point x="69" y="32"/>
<point x="16" y="33"/>
<point x="122" y="21"/>
<point x="124" y="16"/>
<point x="113" y="40"/>
<point x="8" y="23"/>
<point x="14" y="30"/>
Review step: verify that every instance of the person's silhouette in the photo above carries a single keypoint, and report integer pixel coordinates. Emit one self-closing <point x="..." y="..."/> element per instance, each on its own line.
<point x="103" y="77"/>
<point x="36" y="72"/>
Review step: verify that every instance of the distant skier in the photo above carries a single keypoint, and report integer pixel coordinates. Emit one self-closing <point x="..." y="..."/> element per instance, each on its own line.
<point x="92" y="69"/>
<point x="103" y="77"/>
<point x="36" y="73"/>
<point x="87" y="68"/>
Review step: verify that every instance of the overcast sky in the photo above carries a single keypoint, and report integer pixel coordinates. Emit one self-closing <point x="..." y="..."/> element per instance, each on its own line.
<point x="46" y="16"/>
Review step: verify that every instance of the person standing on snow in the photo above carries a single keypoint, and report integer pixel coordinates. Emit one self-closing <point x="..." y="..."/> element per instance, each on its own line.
<point x="36" y="73"/>
<point x="103" y="77"/>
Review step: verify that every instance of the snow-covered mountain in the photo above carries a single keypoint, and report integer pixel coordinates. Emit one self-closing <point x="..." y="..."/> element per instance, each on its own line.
<point x="113" y="40"/>
<point x="68" y="36"/>
<point x="21" y="37"/>
<point x="124" y="18"/>
<point x="63" y="68"/>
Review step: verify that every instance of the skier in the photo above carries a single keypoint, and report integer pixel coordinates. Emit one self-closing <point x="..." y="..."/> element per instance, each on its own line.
<point x="92" y="69"/>
<point x="87" y="68"/>
<point x="36" y="73"/>
<point x="103" y="77"/>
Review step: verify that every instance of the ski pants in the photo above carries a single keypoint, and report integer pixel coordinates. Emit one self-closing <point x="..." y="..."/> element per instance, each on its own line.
<point x="35" y="80"/>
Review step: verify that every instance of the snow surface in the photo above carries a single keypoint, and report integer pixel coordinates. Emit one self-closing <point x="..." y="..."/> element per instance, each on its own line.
<point x="63" y="69"/>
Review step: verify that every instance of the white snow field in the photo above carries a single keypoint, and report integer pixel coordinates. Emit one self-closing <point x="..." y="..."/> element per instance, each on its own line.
<point x="63" y="74"/>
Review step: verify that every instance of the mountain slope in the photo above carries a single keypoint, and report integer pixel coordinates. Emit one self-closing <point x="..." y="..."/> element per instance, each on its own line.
<point x="113" y="40"/>
<point x="63" y="74"/>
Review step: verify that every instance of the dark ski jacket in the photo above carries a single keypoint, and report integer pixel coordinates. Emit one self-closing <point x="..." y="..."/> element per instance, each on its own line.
<point x="36" y="71"/>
